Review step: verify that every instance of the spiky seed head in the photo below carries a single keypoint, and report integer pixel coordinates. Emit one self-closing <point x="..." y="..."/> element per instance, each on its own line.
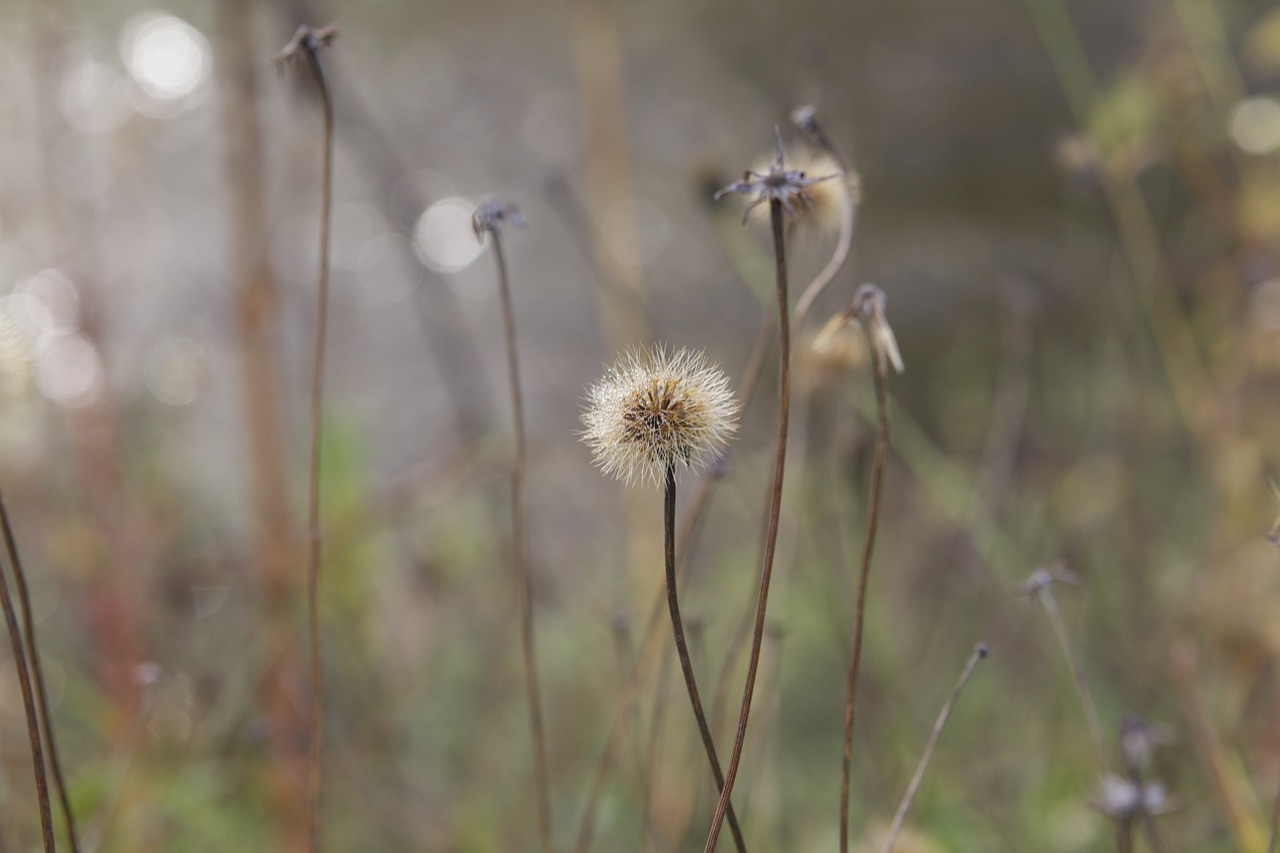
<point x="777" y="183"/>
<point x="816" y="206"/>
<point x="653" y="409"/>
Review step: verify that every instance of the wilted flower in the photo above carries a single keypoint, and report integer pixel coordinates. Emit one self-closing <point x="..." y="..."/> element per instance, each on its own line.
<point x="868" y="303"/>
<point x="1124" y="798"/>
<point x="652" y="410"/>
<point x="491" y="215"/>
<point x="789" y="187"/>
<point x="306" y="41"/>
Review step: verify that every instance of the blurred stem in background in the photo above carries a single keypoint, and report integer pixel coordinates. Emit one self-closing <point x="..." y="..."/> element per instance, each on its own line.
<point x="37" y="670"/>
<point x="20" y="660"/>
<point x="276" y="549"/>
<point x="610" y="190"/>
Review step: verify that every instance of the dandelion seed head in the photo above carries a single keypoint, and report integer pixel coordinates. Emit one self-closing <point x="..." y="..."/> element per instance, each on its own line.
<point x="653" y="409"/>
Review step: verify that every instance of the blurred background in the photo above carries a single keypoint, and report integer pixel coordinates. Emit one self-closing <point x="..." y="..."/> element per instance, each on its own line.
<point x="1073" y="208"/>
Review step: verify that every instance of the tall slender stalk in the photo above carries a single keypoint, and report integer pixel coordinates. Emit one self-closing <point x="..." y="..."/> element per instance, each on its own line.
<point x="1041" y="586"/>
<point x="487" y="219"/>
<point x="979" y="652"/>
<point x="682" y="648"/>
<point x="41" y="694"/>
<point x="306" y="45"/>
<point x="880" y="374"/>
<point x="775" y="510"/>
<point x="29" y="705"/>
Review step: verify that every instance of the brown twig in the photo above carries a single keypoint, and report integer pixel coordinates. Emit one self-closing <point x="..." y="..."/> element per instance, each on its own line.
<point x="487" y="219"/>
<point x="979" y="652"/>
<point x="775" y="511"/>
<point x="28" y="700"/>
<point x="880" y="374"/>
<point x="682" y="648"/>
<point x="305" y="46"/>
<point x="41" y="694"/>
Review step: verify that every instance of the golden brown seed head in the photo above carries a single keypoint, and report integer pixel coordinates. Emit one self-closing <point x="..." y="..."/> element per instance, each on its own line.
<point x="652" y="409"/>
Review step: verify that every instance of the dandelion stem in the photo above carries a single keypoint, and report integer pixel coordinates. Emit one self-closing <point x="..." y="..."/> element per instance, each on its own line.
<point x="41" y="694"/>
<point x="775" y="510"/>
<point x="310" y="51"/>
<point x="28" y="700"/>
<point x="524" y="579"/>
<point x="880" y="373"/>
<point x="979" y="652"/>
<point x="682" y="648"/>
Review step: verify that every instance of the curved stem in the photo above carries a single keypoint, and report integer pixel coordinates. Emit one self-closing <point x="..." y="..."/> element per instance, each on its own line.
<point x="29" y="705"/>
<point x="775" y="511"/>
<point x="682" y="648"/>
<point x="841" y="254"/>
<point x="309" y="49"/>
<point x="868" y="548"/>
<point x="41" y="694"/>
<point x="524" y="579"/>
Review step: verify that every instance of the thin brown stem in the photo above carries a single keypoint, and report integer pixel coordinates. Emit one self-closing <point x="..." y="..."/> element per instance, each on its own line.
<point x="860" y="610"/>
<point x="979" y="652"/>
<point x="310" y="49"/>
<point x="524" y="579"/>
<point x="41" y="694"/>
<point x="775" y="512"/>
<point x="29" y="704"/>
<point x="682" y="648"/>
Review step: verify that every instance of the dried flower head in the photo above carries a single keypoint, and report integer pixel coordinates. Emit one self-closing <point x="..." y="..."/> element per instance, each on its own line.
<point x="306" y="42"/>
<point x="836" y="351"/>
<point x="1125" y="799"/>
<point x="653" y="409"/>
<point x="492" y="215"/>
<point x="789" y="187"/>
<point x="868" y="304"/>
<point x="817" y="206"/>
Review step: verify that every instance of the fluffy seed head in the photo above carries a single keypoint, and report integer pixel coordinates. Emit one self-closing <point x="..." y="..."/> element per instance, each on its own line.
<point x="653" y="409"/>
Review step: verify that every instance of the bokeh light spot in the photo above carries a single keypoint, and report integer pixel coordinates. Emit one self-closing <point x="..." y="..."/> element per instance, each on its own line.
<point x="92" y="98"/>
<point x="1255" y="125"/>
<point x="443" y="239"/>
<point x="174" y="370"/>
<point x="68" y="370"/>
<point x="167" y="57"/>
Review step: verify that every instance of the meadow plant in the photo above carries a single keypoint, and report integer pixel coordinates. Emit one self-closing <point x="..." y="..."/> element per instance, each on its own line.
<point x="651" y="413"/>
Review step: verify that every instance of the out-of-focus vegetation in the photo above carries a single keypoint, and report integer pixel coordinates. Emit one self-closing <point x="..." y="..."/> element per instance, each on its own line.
<point x="1073" y="208"/>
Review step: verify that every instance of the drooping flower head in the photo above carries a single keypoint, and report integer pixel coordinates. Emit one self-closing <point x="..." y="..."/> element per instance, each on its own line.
<point x="653" y="409"/>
